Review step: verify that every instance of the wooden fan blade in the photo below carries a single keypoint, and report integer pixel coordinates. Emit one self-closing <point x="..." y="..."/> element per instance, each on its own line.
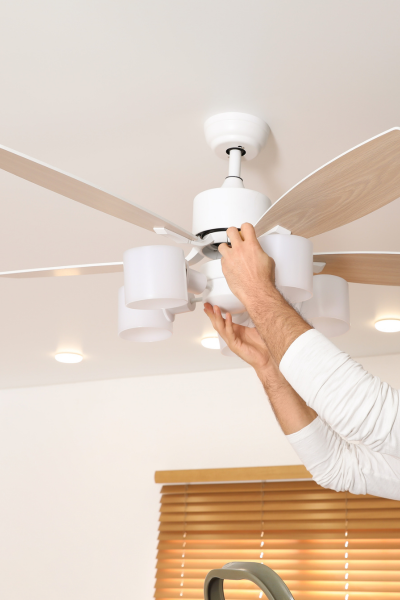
<point x="376" y="268"/>
<point x="70" y="271"/>
<point x="349" y="187"/>
<point x="85" y="193"/>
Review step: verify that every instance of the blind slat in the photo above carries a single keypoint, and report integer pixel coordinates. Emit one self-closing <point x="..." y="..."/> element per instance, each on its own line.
<point x="311" y="585"/>
<point x="189" y="526"/>
<point x="292" y="515"/>
<point x="281" y="544"/>
<point x="281" y="496"/>
<point x="256" y="504"/>
<point x="299" y="595"/>
<point x="280" y="535"/>
<point x="288" y="574"/>
<point x="278" y="564"/>
<point x="288" y="553"/>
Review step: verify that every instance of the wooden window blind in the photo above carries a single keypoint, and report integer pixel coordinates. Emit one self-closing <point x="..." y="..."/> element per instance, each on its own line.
<point x="325" y="545"/>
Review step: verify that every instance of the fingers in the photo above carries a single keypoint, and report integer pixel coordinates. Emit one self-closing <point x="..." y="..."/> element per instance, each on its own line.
<point x="230" y="334"/>
<point x="248" y="232"/>
<point x="208" y="309"/>
<point x="215" y="316"/>
<point x="224" y="327"/>
<point x="219" y="322"/>
<point x="224" y="249"/>
<point x="234" y="236"/>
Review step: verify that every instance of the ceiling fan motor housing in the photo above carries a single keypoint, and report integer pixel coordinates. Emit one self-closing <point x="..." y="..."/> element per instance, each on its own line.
<point x="225" y="207"/>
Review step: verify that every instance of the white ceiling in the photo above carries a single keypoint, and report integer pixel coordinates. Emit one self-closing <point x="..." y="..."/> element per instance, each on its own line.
<point x="116" y="92"/>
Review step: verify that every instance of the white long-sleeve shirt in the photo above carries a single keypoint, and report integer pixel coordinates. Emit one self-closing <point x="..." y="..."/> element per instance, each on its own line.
<point x="354" y="444"/>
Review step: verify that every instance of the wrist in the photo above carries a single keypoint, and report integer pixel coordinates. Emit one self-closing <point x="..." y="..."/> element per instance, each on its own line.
<point x="268" y="373"/>
<point x="261" y="295"/>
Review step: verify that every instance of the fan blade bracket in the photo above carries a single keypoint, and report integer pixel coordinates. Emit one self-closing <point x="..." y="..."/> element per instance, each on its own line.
<point x="180" y="239"/>
<point x="278" y="229"/>
<point x="318" y="267"/>
<point x="194" y="257"/>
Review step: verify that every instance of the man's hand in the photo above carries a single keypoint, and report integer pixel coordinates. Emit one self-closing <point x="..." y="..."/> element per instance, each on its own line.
<point x="291" y="411"/>
<point x="250" y="274"/>
<point x="245" y="342"/>
<point x="249" y="271"/>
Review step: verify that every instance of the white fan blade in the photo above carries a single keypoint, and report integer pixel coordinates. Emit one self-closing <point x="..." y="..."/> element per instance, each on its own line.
<point x="85" y="193"/>
<point x="69" y="271"/>
<point x="374" y="268"/>
<point x="347" y="188"/>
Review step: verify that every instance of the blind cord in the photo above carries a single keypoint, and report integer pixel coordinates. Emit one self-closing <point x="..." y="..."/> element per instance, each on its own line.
<point x="184" y="539"/>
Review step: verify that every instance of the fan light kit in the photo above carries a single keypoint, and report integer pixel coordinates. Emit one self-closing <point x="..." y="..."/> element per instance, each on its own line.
<point x="68" y="357"/>
<point x="388" y="325"/>
<point x="159" y="281"/>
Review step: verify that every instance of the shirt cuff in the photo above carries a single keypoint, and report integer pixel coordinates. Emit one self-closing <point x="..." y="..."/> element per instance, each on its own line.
<point x="307" y="431"/>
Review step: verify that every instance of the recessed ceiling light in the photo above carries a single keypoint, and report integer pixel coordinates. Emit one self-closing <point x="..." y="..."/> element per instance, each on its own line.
<point x="212" y="343"/>
<point x="68" y="357"/>
<point x="388" y="325"/>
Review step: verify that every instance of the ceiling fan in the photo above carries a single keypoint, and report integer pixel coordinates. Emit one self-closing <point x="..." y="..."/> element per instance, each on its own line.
<point x="159" y="282"/>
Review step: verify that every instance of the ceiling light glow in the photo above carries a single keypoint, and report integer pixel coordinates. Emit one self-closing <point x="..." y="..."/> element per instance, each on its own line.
<point x="68" y="357"/>
<point x="388" y="325"/>
<point x="212" y="343"/>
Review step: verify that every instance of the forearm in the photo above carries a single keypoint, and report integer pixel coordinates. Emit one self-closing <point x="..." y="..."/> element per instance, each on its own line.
<point x="291" y="412"/>
<point x="276" y="321"/>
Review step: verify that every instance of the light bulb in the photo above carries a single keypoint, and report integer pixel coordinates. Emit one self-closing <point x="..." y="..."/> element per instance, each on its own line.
<point x="388" y="325"/>
<point x="68" y="357"/>
<point x="212" y="343"/>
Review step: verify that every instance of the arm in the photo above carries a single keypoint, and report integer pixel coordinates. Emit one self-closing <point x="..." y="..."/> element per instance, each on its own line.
<point x="333" y="462"/>
<point x="342" y="466"/>
<point x="354" y="403"/>
<point x="290" y="410"/>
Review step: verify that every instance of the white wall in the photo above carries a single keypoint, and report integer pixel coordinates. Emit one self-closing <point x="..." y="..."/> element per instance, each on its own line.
<point x="78" y="502"/>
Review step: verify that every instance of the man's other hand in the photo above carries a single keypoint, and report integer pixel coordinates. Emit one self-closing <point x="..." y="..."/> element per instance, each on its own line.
<point x="245" y="342"/>
<point x="249" y="271"/>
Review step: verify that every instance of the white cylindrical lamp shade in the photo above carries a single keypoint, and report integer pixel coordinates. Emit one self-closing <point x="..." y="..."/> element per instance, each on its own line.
<point x="293" y="256"/>
<point x="155" y="277"/>
<point x="137" y="325"/>
<point x="329" y="308"/>
<point x="218" y="292"/>
<point x="196" y="281"/>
